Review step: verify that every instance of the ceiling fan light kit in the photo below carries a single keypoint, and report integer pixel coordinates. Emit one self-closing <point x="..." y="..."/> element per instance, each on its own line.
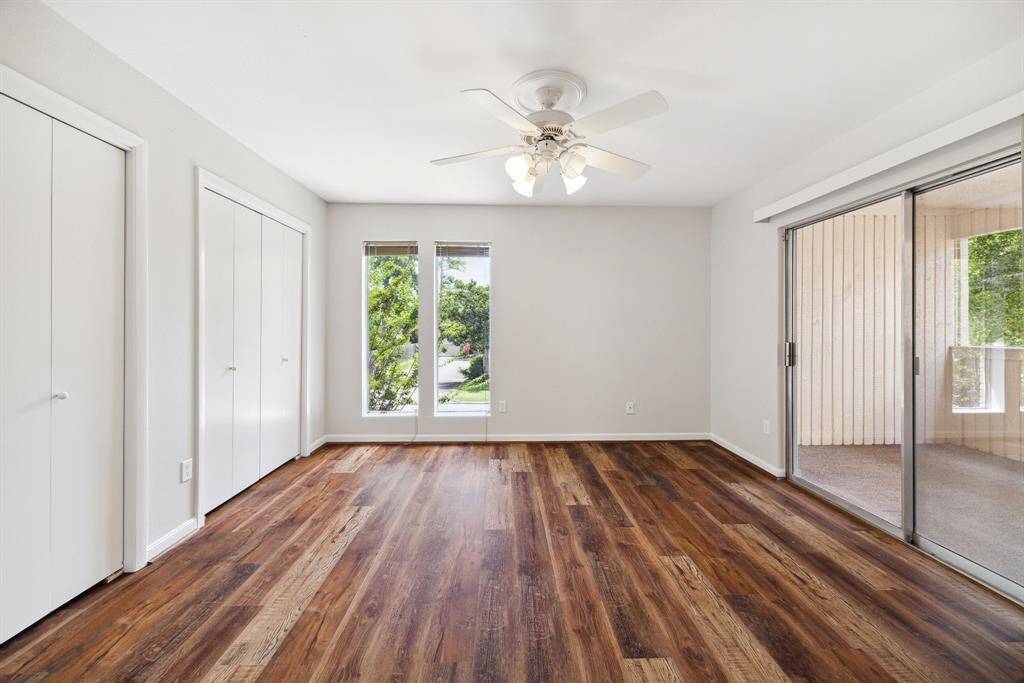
<point x="518" y="167"/>
<point x="573" y="184"/>
<point x="553" y="136"/>
<point x="572" y="163"/>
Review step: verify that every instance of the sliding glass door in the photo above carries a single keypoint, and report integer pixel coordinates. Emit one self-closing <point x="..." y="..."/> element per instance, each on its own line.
<point x="847" y="393"/>
<point x="905" y="336"/>
<point x="968" y="342"/>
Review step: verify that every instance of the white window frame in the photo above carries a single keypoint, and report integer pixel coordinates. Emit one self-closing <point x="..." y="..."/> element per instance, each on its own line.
<point x="364" y="311"/>
<point x="994" y="358"/>
<point x="484" y="412"/>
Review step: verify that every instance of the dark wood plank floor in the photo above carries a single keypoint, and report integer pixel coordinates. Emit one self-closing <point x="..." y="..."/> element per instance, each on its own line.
<point x="558" y="562"/>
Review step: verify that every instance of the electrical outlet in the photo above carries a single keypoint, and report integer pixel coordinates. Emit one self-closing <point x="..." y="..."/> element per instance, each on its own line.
<point x="766" y="426"/>
<point x="502" y="408"/>
<point x="186" y="470"/>
<point x="630" y="408"/>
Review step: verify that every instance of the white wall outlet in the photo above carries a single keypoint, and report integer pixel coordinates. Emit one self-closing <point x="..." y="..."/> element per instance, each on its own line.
<point x="630" y="407"/>
<point x="186" y="470"/>
<point x="502" y="408"/>
<point x="766" y="426"/>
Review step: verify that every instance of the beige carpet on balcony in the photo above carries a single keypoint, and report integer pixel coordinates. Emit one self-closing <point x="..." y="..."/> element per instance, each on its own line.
<point x="968" y="501"/>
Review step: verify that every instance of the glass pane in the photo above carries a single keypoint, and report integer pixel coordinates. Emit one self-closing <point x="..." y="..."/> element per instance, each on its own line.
<point x="463" y="311"/>
<point x="847" y="398"/>
<point x="392" y="333"/>
<point x="969" y="334"/>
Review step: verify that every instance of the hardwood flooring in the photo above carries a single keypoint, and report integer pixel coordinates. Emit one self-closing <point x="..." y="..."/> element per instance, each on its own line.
<point x="557" y="562"/>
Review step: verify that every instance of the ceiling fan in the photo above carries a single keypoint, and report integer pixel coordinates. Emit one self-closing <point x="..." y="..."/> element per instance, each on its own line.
<point x="552" y="137"/>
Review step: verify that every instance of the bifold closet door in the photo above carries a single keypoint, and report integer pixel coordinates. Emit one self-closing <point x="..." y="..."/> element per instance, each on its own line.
<point x="61" y="363"/>
<point x="291" y="337"/>
<point x="25" y="174"/>
<point x="246" y="443"/>
<point x="270" y="401"/>
<point x="87" y="306"/>
<point x="282" y="297"/>
<point x="218" y="344"/>
<point x="231" y="319"/>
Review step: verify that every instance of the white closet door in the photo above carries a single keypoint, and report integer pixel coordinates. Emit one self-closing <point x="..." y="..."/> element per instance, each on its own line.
<point x="246" y="441"/>
<point x="271" y="414"/>
<point x="218" y="343"/>
<point x="25" y="398"/>
<point x="88" y="361"/>
<point x="292" y="341"/>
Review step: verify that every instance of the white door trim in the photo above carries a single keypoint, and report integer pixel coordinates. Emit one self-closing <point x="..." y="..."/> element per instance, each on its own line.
<point x="136" y="378"/>
<point x="206" y="180"/>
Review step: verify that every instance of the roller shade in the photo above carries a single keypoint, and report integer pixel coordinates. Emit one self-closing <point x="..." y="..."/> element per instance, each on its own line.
<point x="389" y="249"/>
<point x="462" y="249"/>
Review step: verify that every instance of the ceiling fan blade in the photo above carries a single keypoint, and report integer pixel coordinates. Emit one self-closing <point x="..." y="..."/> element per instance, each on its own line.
<point x="644" y="106"/>
<point x="502" y="111"/>
<point x="497" y="151"/>
<point x="611" y="162"/>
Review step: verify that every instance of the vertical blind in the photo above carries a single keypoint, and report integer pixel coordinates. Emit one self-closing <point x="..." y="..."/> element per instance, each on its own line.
<point x="847" y="276"/>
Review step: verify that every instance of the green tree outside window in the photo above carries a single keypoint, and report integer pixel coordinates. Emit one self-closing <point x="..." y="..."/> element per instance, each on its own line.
<point x="392" y="330"/>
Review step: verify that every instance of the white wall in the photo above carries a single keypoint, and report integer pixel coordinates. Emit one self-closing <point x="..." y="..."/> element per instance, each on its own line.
<point x="591" y="307"/>
<point x="747" y="382"/>
<point x="37" y="42"/>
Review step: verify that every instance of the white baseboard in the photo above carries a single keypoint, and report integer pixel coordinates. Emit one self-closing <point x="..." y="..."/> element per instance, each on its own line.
<point x="171" y="538"/>
<point x="748" y="456"/>
<point x="441" y="438"/>
<point x="498" y="438"/>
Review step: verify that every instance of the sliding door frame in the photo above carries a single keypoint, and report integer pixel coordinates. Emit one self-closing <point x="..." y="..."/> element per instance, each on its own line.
<point x="790" y="357"/>
<point x="962" y="564"/>
<point x="910" y="364"/>
<point x="906" y="531"/>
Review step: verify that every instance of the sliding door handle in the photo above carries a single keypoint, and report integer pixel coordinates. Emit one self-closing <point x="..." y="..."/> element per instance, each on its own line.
<point x="62" y="396"/>
<point x="232" y="368"/>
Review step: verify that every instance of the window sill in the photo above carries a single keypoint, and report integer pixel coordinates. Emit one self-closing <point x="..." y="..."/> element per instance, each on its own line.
<point x="464" y="413"/>
<point x="387" y="415"/>
<point x="978" y="411"/>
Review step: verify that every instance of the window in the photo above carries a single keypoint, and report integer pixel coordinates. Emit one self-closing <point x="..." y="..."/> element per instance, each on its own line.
<point x="463" y="327"/>
<point x="989" y="308"/>
<point x="391" y="381"/>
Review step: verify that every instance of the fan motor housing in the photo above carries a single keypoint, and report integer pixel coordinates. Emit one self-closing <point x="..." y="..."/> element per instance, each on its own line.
<point x="547" y="117"/>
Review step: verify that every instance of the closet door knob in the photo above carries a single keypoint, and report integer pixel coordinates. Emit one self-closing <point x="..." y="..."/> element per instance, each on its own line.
<point x="232" y="368"/>
<point x="62" y="395"/>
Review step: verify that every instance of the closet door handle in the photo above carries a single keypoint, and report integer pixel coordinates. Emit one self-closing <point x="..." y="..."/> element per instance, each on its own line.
<point x="232" y="368"/>
<point x="62" y="395"/>
<point x="284" y="359"/>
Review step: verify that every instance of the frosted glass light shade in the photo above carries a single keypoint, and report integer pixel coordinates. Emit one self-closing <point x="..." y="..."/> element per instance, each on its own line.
<point x="573" y="184"/>
<point x="518" y="167"/>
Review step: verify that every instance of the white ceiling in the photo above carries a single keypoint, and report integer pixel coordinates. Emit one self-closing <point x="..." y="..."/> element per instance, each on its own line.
<point x="352" y="99"/>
